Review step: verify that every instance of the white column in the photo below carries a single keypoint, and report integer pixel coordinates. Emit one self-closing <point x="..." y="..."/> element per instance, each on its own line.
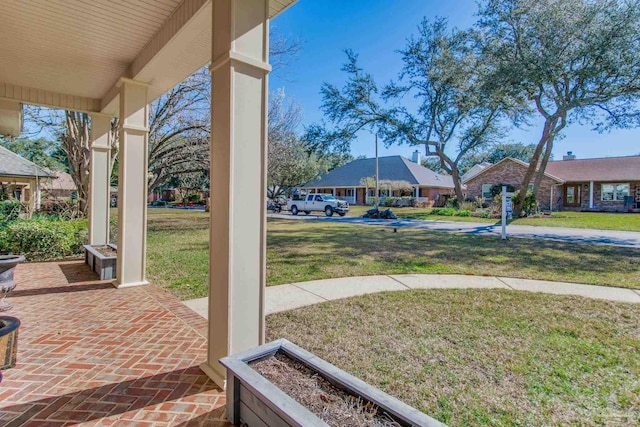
<point x="99" y="175"/>
<point x="237" y="248"/>
<point x="132" y="184"/>
<point x="591" y="195"/>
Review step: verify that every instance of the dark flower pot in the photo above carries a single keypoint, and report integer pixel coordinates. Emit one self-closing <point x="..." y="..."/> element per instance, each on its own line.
<point x="7" y="264"/>
<point x="8" y="342"/>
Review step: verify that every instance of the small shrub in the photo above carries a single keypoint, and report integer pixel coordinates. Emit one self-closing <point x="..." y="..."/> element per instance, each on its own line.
<point x="9" y="211"/>
<point x="463" y="212"/>
<point x="452" y="202"/>
<point x="443" y="211"/>
<point x="41" y="239"/>
<point x="530" y="204"/>
<point x="469" y="205"/>
<point x="59" y="209"/>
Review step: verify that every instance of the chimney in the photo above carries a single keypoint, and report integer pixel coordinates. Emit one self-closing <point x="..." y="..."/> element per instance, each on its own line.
<point x="416" y="157"/>
<point x="569" y="156"/>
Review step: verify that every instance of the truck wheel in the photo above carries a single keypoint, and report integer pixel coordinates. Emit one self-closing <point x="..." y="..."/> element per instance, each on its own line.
<point x="328" y="211"/>
<point x="294" y="210"/>
<point x="307" y="212"/>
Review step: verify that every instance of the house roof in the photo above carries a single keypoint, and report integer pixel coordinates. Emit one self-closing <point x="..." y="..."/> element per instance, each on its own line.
<point x="393" y="168"/>
<point x="511" y="159"/>
<point x="12" y="164"/>
<point x="601" y="169"/>
<point x="63" y="181"/>
<point x="475" y="170"/>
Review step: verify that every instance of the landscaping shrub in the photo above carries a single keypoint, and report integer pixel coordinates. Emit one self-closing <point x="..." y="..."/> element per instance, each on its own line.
<point x="469" y="205"/>
<point x="43" y="239"/>
<point x="463" y="212"/>
<point x="530" y="204"/>
<point x="443" y="211"/>
<point x="452" y="203"/>
<point x="59" y="209"/>
<point x="9" y="211"/>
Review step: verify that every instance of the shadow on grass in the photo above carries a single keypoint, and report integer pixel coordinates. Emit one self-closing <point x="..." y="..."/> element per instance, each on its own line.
<point x="335" y="243"/>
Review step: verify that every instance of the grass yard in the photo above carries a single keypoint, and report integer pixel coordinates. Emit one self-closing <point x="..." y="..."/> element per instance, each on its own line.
<point x="594" y="220"/>
<point x="478" y="357"/>
<point x="177" y="254"/>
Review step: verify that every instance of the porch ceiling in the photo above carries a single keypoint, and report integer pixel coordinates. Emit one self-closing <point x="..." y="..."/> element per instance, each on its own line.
<point x="51" y="49"/>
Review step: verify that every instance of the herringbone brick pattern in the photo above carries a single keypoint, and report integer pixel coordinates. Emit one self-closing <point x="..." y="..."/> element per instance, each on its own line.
<point x="90" y="354"/>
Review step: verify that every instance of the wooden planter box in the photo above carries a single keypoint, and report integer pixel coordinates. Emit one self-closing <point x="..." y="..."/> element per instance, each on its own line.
<point x="104" y="266"/>
<point x="253" y="400"/>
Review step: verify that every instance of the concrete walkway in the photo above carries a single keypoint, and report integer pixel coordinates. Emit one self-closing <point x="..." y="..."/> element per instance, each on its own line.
<point x="629" y="239"/>
<point x="287" y="297"/>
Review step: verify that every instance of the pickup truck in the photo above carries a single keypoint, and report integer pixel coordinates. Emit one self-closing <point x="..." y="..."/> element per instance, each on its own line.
<point x="318" y="202"/>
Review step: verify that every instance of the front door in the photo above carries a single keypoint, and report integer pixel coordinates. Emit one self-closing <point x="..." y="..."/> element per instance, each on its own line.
<point x="572" y="195"/>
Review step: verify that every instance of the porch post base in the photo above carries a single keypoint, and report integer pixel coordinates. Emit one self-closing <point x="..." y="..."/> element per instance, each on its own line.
<point x="220" y="378"/>
<point x="129" y="285"/>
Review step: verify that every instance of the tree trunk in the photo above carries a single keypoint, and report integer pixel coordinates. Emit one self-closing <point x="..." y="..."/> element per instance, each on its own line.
<point x="518" y="202"/>
<point x="543" y="166"/>
<point x="75" y="142"/>
<point x="455" y="174"/>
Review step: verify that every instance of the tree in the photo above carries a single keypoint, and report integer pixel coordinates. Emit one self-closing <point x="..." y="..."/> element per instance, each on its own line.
<point x="72" y="129"/>
<point x="497" y="152"/>
<point x="41" y="151"/>
<point x="289" y="162"/>
<point x="179" y="131"/>
<point x="459" y="106"/>
<point x="574" y="60"/>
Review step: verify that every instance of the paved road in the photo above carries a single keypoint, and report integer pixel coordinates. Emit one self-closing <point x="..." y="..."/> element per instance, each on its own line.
<point x="629" y="239"/>
<point x="295" y="295"/>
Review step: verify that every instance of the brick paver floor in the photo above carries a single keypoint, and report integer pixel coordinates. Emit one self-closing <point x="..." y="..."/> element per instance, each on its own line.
<point x="90" y="354"/>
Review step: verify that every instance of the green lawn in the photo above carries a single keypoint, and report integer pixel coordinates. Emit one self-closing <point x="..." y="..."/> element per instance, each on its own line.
<point x="177" y="254"/>
<point x="483" y="357"/>
<point x="594" y="220"/>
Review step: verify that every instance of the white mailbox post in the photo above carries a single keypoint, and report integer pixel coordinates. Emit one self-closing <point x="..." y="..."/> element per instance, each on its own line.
<point x="507" y="210"/>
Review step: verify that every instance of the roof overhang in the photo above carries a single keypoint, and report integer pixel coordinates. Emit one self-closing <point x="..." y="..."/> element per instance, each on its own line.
<point x="54" y="56"/>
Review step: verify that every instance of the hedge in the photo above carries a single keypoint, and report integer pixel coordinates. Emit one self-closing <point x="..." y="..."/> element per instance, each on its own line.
<point x="41" y="239"/>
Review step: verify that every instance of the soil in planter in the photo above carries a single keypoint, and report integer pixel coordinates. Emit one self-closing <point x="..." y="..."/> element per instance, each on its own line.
<point x="105" y="250"/>
<point x="332" y="405"/>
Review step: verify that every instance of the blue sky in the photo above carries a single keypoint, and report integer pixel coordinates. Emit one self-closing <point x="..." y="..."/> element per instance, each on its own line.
<point x="376" y="29"/>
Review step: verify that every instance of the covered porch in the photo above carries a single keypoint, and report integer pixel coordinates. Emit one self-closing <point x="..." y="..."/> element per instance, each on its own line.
<point x="109" y="60"/>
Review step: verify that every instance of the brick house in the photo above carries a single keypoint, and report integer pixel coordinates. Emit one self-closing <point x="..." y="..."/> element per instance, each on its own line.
<point x="348" y="182"/>
<point x="609" y="184"/>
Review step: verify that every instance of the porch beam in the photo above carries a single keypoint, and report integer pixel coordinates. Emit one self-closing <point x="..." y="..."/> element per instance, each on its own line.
<point x="47" y="98"/>
<point x="237" y="248"/>
<point x="99" y="175"/>
<point x="132" y="184"/>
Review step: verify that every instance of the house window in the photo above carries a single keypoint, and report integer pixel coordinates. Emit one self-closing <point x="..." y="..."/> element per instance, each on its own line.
<point x="350" y="192"/>
<point x="530" y="187"/>
<point x="486" y="191"/>
<point x="614" y="192"/>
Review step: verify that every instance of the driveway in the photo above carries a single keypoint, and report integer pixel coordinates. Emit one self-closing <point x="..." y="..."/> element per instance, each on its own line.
<point x="629" y="239"/>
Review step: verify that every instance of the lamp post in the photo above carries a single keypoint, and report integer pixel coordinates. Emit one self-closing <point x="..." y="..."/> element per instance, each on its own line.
<point x="377" y="190"/>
